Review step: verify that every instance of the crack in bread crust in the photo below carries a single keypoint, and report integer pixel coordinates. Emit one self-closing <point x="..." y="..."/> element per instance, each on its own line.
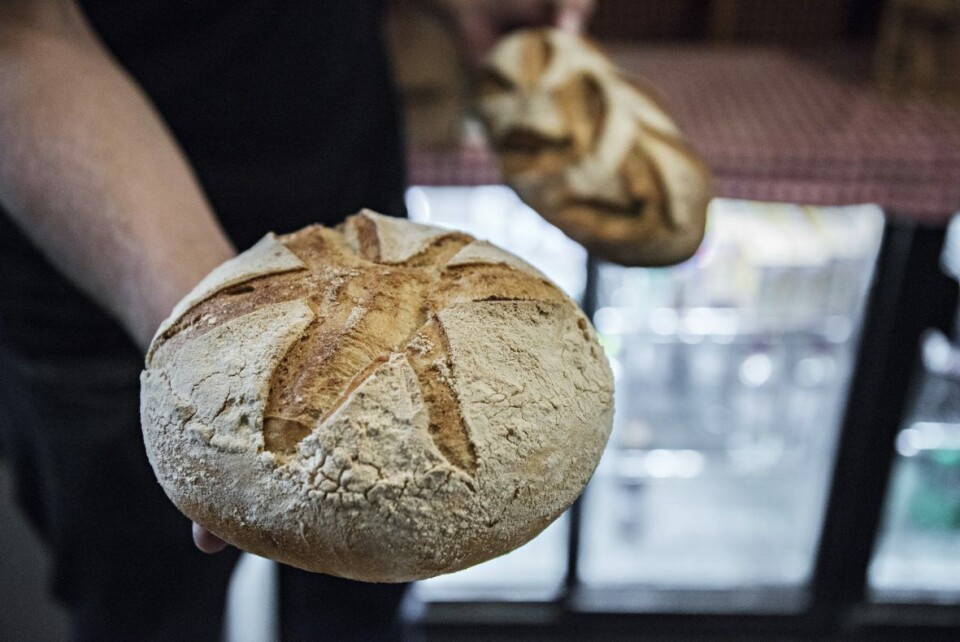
<point x="429" y="355"/>
<point x="365" y="311"/>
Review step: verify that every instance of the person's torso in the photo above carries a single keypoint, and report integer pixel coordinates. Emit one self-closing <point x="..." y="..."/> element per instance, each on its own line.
<point x="286" y="104"/>
<point x="285" y="109"/>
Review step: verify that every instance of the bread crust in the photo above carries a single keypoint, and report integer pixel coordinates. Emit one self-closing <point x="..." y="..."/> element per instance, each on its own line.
<point x="400" y="402"/>
<point x="593" y="152"/>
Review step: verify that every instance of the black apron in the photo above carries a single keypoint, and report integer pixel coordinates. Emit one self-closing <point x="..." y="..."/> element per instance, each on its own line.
<point x="285" y="110"/>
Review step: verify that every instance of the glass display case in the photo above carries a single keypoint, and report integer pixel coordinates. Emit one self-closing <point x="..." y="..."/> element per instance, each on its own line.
<point x="917" y="555"/>
<point x="731" y="372"/>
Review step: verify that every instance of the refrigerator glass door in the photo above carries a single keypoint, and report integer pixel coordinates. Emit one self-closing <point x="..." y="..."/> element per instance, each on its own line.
<point x="731" y="374"/>
<point x="917" y="556"/>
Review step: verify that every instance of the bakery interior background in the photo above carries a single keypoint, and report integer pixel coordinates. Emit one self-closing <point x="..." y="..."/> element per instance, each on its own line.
<point x="830" y="126"/>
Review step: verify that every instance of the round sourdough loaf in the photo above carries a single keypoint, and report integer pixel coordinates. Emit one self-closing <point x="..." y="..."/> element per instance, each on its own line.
<point x="386" y="401"/>
<point x="593" y="152"/>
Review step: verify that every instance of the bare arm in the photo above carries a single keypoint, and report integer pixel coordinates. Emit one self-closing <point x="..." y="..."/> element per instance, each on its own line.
<point x="90" y="173"/>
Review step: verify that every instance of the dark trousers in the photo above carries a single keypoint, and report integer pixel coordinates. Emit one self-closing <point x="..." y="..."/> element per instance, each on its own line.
<point x="124" y="560"/>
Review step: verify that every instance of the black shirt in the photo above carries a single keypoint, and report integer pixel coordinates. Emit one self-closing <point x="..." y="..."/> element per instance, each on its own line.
<point x="285" y="109"/>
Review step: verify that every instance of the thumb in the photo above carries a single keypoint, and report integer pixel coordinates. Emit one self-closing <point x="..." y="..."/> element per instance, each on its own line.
<point x="207" y="541"/>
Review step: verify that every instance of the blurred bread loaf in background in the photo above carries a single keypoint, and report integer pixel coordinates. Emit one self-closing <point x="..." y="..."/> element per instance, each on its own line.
<point x="591" y="151"/>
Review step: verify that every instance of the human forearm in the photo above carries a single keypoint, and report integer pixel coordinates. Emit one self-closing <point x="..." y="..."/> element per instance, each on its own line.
<point x="90" y="173"/>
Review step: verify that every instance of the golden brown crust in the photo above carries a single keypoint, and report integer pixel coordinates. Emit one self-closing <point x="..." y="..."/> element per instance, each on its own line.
<point x="595" y="153"/>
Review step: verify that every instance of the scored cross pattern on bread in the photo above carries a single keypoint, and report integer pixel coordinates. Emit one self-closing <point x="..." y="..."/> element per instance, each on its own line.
<point x="591" y="151"/>
<point x="386" y="401"/>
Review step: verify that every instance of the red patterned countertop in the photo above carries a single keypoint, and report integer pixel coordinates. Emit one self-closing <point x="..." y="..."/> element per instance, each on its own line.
<point x="775" y="126"/>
